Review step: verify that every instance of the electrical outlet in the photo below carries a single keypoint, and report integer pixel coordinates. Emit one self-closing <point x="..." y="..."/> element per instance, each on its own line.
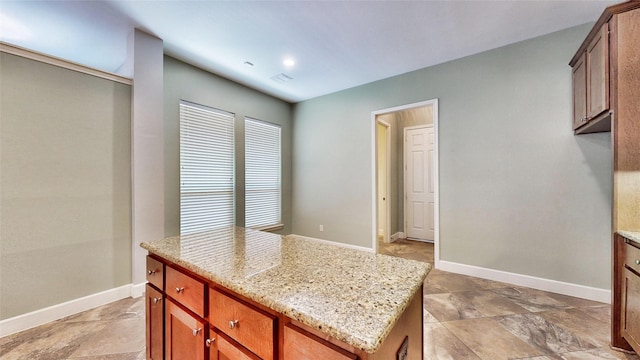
<point x="321" y="228"/>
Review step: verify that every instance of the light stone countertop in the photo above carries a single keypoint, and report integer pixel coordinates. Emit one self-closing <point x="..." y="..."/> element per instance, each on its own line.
<point x="631" y="235"/>
<point x="352" y="295"/>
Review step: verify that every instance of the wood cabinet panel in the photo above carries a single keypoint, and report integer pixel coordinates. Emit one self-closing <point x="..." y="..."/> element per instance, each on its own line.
<point x="299" y="344"/>
<point x="250" y="327"/>
<point x="155" y="272"/>
<point x="223" y="348"/>
<point x="579" y="75"/>
<point x="186" y="290"/>
<point x="184" y="334"/>
<point x="631" y="307"/>
<point x="598" y="73"/>
<point x="154" y="309"/>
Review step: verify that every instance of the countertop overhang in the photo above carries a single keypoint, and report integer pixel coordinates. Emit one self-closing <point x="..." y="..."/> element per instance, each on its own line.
<point x="631" y="235"/>
<point x="355" y="296"/>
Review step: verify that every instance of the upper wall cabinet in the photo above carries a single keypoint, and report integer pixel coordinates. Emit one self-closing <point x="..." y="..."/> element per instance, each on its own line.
<point x="595" y="70"/>
<point x="590" y="69"/>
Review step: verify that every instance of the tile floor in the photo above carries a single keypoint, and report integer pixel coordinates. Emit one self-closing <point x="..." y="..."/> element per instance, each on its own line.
<point x="464" y="318"/>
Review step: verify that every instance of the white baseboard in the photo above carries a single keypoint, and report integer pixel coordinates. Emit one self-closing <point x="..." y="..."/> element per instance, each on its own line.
<point x="398" y="235"/>
<point x="559" y="287"/>
<point x="348" y="246"/>
<point x="59" y="311"/>
<point x="137" y="290"/>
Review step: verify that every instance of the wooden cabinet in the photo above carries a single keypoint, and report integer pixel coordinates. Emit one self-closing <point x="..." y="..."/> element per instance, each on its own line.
<point x="154" y="326"/>
<point x="590" y="74"/>
<point x="598" y="73"/>
<point x="299" y="344"/>
<point x="579" y="75"/>
<point x="224" y="348"/>
<point x="185" y="290"/>
<point x="630" y="308"/>
<point x="184" y="334"/>
<point x="248" y="326"/>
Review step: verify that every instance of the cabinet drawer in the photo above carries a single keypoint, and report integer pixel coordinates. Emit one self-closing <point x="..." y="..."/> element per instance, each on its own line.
<point x="155" y="272"/>
<point x="299" y="344"/>
<point x="185" y="290"/>
<point x="243" y="323"/>
<point x="632" y="257"/>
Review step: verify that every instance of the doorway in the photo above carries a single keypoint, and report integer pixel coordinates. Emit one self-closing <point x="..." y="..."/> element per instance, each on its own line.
<point x="388" y="158"/>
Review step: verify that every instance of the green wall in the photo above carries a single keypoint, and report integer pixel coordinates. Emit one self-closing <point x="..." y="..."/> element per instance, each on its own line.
<point x="518" y="191"/>
<point x="65" y="185"/>
<point x="186" y="82"/>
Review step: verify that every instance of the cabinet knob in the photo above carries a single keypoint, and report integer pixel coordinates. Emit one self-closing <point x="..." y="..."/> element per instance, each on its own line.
<point x="638" y="262"/>
<point x="179" y="290"/>
<point x="233" y="324"/>
<point x="196" y="331"/>
<point x="156" y="300"/>
<point x="151" y="272"/>
<point x="208" y="342"/>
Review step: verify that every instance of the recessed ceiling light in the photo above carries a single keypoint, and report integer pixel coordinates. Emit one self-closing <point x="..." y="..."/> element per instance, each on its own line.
<point x="289" y="62"/>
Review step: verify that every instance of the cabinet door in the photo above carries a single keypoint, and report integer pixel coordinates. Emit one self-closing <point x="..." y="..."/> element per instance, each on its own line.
<point x="580" y="92"/>
<point x="223" y="348"/>
<point x="299" y="344"/>
<point x="154" y="323"/>
<point x="184" y="334"/>
<point x="631" y="309"/>
<point x="598" y="73"/>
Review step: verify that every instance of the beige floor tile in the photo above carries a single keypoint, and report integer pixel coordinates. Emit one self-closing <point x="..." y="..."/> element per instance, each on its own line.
<point x="546" y="336"/>
<point x="447" y="307"/>
<point x="441" y="344"/>
<point x="448" y="283"/>
<point x="599" y="354"/>
<point x="115" y="338"/>
<point x="531" y="299"/>
<point x="588" y="329"/>
<point x="489" y="340"/>
<point x="489" y="303"/>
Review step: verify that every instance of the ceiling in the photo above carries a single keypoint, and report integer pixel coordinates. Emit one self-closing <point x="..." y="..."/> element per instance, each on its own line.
<point x="335" y="44"/>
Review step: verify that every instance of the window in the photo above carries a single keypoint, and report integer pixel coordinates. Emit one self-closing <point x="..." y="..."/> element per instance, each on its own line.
<point x="262" y="174"/>
<point x="206" y="168"/>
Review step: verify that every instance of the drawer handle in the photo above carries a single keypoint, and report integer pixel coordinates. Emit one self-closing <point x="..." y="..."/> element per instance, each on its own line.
<point x="233" y="324"/>
<point x="208" y="342"/>
<point x="156" y="300"/>
<point x="638" y="262"/>
<point x="151" y="272"/>
<point x="179" y="290"/>
<point x="196" y="331"/>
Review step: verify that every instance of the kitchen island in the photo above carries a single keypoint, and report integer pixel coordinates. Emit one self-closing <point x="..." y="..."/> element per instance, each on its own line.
<point x="245" y="294"/>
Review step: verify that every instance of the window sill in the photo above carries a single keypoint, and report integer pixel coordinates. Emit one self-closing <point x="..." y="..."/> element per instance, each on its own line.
<point x="275" y="227"/>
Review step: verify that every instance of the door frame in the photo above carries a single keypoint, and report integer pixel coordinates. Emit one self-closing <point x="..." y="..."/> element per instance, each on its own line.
<point x="436" y="173"/>
<point x="404" y="170"/>
<point x="387" y="226"/>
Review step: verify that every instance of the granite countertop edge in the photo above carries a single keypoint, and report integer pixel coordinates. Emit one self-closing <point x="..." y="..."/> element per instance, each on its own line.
<point x="366" y="345"/>
<point x="631" y="235"/>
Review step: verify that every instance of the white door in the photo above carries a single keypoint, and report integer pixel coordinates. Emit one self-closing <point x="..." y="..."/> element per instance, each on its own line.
<point x="419" y="182"/>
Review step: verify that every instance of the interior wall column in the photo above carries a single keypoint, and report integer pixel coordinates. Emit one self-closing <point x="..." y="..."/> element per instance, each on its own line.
<point x="147" y="149"/>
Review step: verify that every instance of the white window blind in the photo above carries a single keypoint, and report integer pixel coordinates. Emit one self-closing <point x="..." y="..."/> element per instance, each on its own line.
<point x="262" y="174"/>
<point x="206" y="168"/>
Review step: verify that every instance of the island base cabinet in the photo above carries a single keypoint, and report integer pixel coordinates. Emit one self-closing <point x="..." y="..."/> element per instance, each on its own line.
<point x="154" y="308"/>
<point x="184" y="334"/>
